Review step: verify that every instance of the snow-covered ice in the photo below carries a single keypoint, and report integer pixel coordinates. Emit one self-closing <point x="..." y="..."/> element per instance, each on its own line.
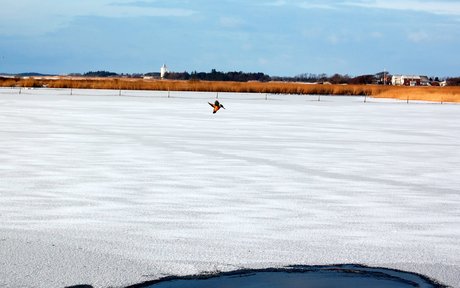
<point x="112" y="190"/>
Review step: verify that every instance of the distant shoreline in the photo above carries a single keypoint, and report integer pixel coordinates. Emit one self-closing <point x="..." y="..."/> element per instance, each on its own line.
<point x="423" y="93"/>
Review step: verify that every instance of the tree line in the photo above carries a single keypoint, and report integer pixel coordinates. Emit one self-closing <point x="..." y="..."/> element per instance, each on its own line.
<point x="239" y="76"/>
<point x="215" y="75"/>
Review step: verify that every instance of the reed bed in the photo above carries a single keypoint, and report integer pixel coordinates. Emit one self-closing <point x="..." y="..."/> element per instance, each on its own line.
<point x="436" y="94"/>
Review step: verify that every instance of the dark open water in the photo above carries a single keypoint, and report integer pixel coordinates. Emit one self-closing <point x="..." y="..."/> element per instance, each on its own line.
<point x="333" y="276"/>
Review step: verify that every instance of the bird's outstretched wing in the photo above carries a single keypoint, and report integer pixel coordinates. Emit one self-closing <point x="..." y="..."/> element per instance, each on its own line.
<point x="216" y="106"/>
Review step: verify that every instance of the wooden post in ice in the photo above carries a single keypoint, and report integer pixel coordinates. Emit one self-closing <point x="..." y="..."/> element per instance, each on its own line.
<point x="19" y="90"/>
<point x="70" y="91"/>
<point x="169" y="93"/>
<point x="319" y="97"/>
<point x="217" y="95"/>
<point x="407" y="99"/>
<point x="119" y="92"/>
<point x="266" y="96"/>
<point x="365" y="98"/>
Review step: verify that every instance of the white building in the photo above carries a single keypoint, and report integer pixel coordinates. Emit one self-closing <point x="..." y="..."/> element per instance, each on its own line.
<point x="396" y="80"/>
<point x="406" y="80"/>
<point x="163" y="70"/>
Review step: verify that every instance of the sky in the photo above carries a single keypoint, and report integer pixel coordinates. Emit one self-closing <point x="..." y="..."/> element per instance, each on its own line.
<point x="276" y="37"/>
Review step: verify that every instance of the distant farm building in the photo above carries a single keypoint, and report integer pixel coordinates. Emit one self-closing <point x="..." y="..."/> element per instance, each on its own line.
<point x="152" y="75"/>
<point x="406" y="80"/>
<point x="425" y="81"/>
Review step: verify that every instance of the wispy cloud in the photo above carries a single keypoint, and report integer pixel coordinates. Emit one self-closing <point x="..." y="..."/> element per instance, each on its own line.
<point x="316" y="5"/>
<point x="230" y="22"/>
<point x="27" y="17"/>
<point x="376" y="34"/>
<point x="433" y="7"/>
<point x="333" y="39"/>
<point x="312" y="4"/>
<point x="418" y="36"/>
<point x="277" y="3"/>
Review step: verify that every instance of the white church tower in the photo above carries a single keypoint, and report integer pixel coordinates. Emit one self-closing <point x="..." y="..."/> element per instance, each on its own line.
<point x="163" y="71"/>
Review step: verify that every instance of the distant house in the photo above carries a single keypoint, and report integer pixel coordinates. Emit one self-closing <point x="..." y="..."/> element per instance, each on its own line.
<point x="424" y="81"/>
<point x="406" y="80"/>
<point x="152" y="75"/>
<point x="396" y="80"/>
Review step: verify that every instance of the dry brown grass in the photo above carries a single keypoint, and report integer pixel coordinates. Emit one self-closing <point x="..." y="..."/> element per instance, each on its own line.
<point x="437" y="94"/>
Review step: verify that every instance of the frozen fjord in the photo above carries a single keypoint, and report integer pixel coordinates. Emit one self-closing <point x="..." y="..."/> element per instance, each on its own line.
<point x="112" y="190"/>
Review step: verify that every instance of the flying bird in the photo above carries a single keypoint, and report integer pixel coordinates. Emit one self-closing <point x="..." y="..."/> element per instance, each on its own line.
<point x="216" y="106"/>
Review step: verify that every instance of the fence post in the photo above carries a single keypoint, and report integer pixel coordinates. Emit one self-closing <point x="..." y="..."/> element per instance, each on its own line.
<point x="407" y="99"/>
<point x="70" y="91"/>
<point x="119" y="92"/>
<point x="319" y="97"/>
<point x="266" y="96"/>
<point x="217" y="95"/>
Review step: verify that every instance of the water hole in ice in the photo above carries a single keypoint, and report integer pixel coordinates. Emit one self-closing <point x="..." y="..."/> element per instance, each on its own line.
<point x="331" y="276"/>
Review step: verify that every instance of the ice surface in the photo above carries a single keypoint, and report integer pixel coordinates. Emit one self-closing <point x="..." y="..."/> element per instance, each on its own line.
<point x="112" y="190"/>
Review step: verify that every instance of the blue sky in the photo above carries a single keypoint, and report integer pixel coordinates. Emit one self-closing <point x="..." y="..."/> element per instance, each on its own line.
<point x="277" y="37"/>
